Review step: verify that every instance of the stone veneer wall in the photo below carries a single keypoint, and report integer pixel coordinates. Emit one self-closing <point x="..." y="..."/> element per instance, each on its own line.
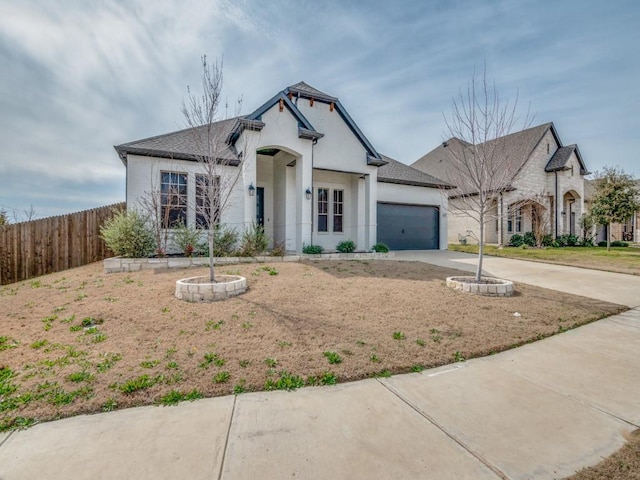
<point x="198" y="289"/>
<point x="119" y="264"/>
<point x="490" y="287"/>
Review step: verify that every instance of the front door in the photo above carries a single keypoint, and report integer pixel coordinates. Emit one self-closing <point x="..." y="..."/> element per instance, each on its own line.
<point x="260" y="206"/>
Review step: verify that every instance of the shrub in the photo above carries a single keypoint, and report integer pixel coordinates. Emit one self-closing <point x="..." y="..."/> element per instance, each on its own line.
<point x="586" y="242"/>
<point x="254" y="241"/>
<point x="547" y="241"/>
<point x="380" y="248"/>
<point x="312" y="249"/>
<point x="279" y="249"/>
<point x="567" y="240"/>
<point x="346" y="246"/>
<point x="188" y="240"/>
<point x="618" y="243"/>
<point x="127" y="235"/>
<point x="516" y="240"/>
<point x="225" y="240"/>
<point x="529" y="239"/>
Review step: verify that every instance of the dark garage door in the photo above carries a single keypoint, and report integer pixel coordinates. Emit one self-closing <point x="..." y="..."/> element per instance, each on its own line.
<point x="408" y="227"/>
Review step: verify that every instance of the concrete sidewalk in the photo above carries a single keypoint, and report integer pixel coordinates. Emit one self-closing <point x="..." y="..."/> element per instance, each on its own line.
<point x="541" y="411"/>
<point x="612" y="287"/>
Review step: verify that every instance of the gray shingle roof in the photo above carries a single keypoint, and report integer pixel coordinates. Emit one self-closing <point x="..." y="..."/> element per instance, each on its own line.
<point x="518" y="146"/>
<point x="559" y="159"/>
<point x="183" y="145"/>
<point x="397" y="172"/>
<point x="186" y="144"/>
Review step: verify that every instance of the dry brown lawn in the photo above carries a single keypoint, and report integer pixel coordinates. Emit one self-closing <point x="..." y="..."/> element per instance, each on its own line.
<point x="84" y="341"/>
<point x="622" y="465"/>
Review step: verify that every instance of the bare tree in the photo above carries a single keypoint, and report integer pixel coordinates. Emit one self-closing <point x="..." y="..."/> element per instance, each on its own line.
<point x="538" y="206"/>
<point x="221" y="164"/>
<point x="156" y="206"/>
<point x="479" y="165"/>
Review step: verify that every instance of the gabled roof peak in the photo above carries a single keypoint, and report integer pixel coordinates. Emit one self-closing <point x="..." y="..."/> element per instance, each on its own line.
<point x="305" y="90"/>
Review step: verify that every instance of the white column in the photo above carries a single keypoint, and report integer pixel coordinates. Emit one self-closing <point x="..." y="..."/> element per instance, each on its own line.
<point x="249" y="175"/>
<point x="290" y="206"/>
<point x="360" y="210"/>
<point x="371" y="209"/>
<point x="304" y="210"/>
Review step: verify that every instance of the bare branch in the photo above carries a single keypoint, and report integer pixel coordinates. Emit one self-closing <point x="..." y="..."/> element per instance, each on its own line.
<point x="478" y="162"/>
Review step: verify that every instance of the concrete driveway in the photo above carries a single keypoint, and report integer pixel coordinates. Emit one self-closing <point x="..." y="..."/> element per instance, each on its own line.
<point x="611" y="287"/>
<point x="541" y="411"/>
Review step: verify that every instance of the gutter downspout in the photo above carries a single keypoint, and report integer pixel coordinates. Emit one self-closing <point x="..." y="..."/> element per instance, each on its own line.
<point x="555" y="214"/>
<point x="315" y="140"/>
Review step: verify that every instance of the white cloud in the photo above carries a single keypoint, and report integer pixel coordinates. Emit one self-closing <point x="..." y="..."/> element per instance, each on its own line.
<point x="80" y="76"/>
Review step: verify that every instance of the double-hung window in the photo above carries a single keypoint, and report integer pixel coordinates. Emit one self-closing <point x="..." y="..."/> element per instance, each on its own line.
<point x="338" y="205"/>
<point x="330" y="210"/>
<point x="514" y="220"/>
<point x="518" y="220"/>
<point x="173" y="199"/>
<point x="323" y="209"/>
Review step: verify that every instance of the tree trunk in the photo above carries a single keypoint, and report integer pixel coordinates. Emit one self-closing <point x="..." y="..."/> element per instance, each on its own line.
<point x="212" y="274"/>
<point x="480" y="249"/>
<point x="609" y="237"/>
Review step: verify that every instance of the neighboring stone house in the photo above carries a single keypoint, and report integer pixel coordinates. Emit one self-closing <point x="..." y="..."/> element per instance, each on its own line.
<point x="309" y="176"/>
<point x="547" y="186"/>
<point x="626" y="232"/>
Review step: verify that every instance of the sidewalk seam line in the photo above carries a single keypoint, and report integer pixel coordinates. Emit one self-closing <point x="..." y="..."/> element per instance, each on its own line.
<point x="226" y="440"/>
<point x="8" y="437"/>
<point x="573" y="398"/>
<point x="431" y="420"/>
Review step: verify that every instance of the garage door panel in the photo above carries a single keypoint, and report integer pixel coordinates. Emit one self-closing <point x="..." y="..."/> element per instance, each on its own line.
<point x="408" y="227"/>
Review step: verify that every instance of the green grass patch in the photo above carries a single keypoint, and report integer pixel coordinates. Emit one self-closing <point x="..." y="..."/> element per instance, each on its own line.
<point x="7" y="343"/>
<point x="618" y="259"/>
<point x="136" y="384"/>
<point x="212" y="358"/>
<point x="333" y="357"/>
<point x="286" y="381"/>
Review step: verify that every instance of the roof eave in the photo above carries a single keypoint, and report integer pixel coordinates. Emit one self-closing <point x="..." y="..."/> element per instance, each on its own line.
<point x="123" y="153"/>
<point x="415" y="183"/>
<point x="309" y="134"/>
<point x="316" y="96"/>
<point x="375" y="162"/>
<point x="242" y="125"/>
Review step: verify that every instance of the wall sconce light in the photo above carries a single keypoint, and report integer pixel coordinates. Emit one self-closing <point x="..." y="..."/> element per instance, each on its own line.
<point x="252" y="190"/>
<point x="308" y="194"/>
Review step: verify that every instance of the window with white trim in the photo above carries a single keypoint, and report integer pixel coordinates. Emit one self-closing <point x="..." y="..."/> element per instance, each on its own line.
<point x="323" y="210"/>
<point x="338" y="209"/>
<point x="173" y="199"/>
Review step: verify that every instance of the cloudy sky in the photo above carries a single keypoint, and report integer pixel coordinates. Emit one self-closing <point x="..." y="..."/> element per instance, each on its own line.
<point x="79" y="76"/>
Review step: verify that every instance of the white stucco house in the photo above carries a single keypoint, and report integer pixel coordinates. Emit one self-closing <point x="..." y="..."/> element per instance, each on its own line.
<point x="309" y="177"/>
<point x="545" y="171"/>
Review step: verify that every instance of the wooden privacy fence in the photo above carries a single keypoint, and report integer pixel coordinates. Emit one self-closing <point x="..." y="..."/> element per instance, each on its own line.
<point x="48" y="245"/>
